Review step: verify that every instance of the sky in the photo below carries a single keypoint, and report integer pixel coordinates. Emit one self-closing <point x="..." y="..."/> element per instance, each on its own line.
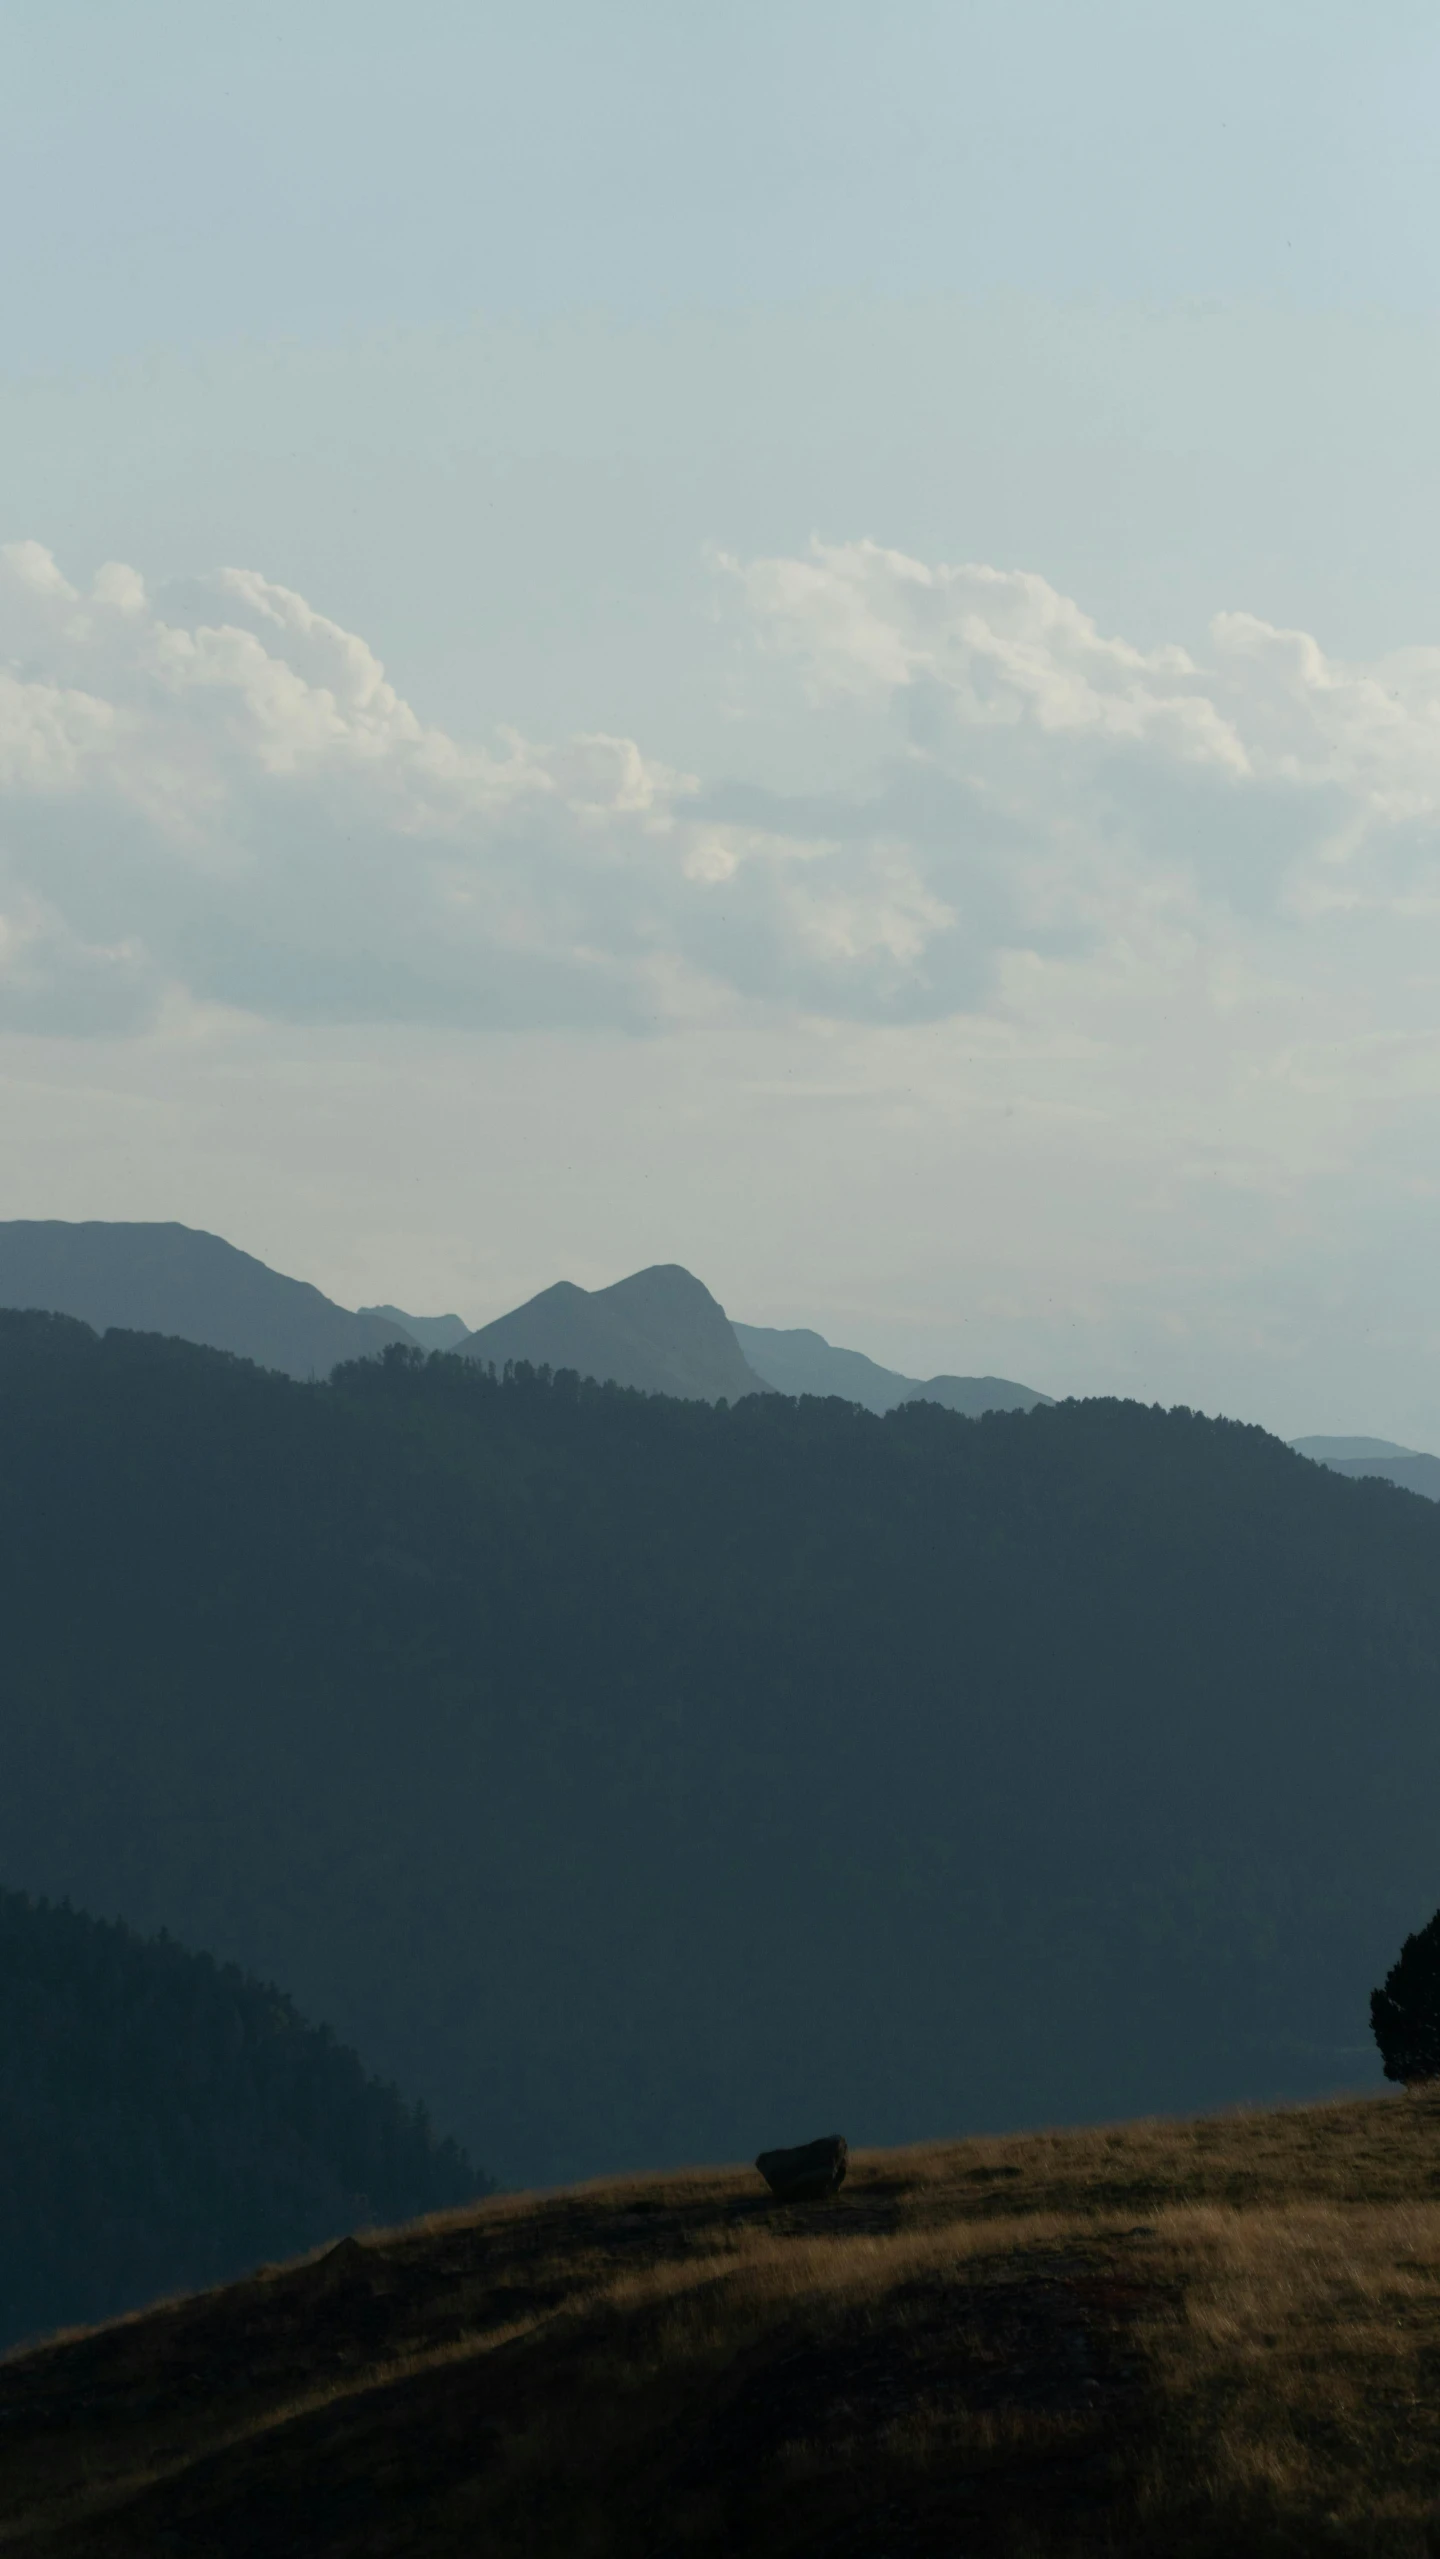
<point x="801" y="639"/>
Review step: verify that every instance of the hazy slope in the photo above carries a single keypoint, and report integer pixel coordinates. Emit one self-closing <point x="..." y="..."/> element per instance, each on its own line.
<point x="660" y="1330"/>
<point x="1411" y="1468"/>
<point x="432" y="1332"/>
<point x="1330" y="1451"/>
<point x="178" y="1280"/>
<point x="1416" y="1472"/>
<point x="799" y="1362"/>
<point x="166" y="2122"/>
<point x="796" y="1361"/>
<point x="976" y="1395"/>
<point x="639" y="1778"/>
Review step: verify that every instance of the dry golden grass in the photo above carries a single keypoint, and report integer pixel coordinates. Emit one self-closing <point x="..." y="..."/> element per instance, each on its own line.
<point x="1205" y="2338"/>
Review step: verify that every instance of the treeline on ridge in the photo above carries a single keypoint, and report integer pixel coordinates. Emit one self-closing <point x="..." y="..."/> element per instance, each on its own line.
<point x="641" y="1781"/>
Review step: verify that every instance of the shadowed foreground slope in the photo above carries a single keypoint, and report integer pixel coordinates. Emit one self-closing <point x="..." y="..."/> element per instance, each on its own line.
<point x="1202" y="2338"/>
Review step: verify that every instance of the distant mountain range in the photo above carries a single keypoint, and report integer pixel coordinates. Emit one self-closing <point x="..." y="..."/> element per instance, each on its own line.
<point x="659" y="1330"/>
<point x="663" y="1331"/>
<point x="799" y="1362"/>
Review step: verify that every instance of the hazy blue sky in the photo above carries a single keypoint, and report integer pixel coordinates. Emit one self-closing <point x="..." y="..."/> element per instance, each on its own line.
<point x="904" y="551"/>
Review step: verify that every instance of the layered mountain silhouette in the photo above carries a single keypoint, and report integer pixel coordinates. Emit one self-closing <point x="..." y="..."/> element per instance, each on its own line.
<point x="977" y="1395"/>
<point x="175" y="1279"/>
<point x="644" y="1780"/>
<point x="660" y="1330"/>
<point x="1330" y="1451"/>
<point x="796" y="1361"/>
<point x="1413" y="1469"/>
<point x="1416" y="1472"/>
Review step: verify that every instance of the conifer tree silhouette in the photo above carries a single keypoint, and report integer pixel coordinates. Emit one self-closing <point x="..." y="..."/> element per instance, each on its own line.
<point x="1405" y="2015"/>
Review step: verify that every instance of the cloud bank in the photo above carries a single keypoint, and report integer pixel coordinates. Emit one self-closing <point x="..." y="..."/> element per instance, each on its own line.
<point x="213" y="793"/>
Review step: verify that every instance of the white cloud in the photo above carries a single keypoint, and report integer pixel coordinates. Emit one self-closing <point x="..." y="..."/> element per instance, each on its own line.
<point x="983" y="658"/>
<point x="216" y="792"/>
<point x="1000" y="645"/>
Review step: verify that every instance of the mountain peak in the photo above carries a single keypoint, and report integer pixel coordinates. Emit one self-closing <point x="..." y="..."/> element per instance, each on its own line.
<point x="659" y="1329"/>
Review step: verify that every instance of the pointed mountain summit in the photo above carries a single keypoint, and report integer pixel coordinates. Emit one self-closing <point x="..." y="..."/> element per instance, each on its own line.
<point x="141" y="1278"/>
<point x="660" y="1330"/>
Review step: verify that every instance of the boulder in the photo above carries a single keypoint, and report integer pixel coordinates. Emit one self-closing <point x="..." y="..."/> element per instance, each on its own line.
<point x="807" y="2174"/>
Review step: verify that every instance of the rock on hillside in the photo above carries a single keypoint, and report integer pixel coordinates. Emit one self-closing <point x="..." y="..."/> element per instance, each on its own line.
<point x="178" y="1280"/>
<point x="660" y="1330"/>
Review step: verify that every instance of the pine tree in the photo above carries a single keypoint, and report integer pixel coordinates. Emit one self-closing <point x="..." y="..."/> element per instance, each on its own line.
<point x="1405" y="2015"/>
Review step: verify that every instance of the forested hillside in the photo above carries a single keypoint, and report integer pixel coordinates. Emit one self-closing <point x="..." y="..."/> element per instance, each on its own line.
<point x="640" y="1781"/>
<point x="167" y="2122"/>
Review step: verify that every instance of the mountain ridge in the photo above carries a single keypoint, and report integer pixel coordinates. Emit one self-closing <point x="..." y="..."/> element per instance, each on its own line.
<point x="659" y="1329"/>
<point x="799" y="1361"/>
<point x="517" y="1725"/>
<point x="181" y="1281"/>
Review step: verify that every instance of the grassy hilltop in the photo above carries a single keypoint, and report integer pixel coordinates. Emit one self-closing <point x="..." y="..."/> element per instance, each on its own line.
<point x="1210" y="2337"/>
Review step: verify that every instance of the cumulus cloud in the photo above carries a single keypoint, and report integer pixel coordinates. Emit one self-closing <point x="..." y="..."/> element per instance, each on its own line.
<point x="1003" y="649"/>
<point x="215" y="790"/>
